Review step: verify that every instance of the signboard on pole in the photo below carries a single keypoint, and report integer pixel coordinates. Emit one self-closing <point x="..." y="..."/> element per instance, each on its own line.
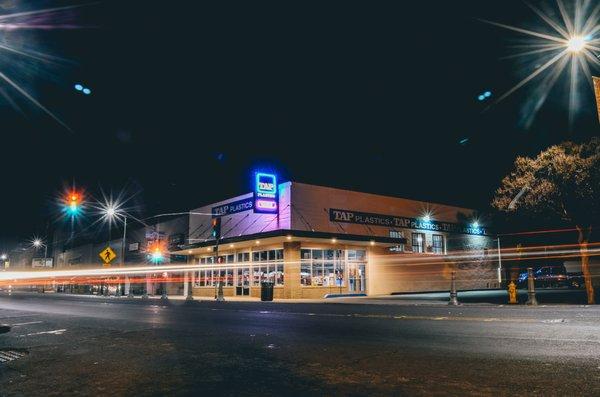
<point x="107" y="255"/>
<point x="41" y="262"/>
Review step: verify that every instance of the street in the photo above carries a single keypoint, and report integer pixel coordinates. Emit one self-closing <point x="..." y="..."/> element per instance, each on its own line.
<point x="80" y="345"/>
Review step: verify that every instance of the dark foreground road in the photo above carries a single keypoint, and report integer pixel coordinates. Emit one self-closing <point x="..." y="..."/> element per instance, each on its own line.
<point x="93" y="347"/>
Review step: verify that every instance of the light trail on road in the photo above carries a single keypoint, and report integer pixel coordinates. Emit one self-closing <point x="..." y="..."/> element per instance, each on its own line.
<point x="95" y="274"/>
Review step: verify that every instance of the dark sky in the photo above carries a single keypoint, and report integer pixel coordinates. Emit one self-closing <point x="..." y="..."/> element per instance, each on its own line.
<point x="190" y="97"/>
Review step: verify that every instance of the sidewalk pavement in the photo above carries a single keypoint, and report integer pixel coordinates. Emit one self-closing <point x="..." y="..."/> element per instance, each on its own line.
<point x="465" y="298"/>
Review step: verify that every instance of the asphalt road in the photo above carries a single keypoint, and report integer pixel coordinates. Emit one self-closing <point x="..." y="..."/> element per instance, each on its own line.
<point x="94" y="346"/>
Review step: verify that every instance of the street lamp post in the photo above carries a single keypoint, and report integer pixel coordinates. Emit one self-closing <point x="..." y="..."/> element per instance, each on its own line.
<point x="37" y="243"/>
<point x="128" y="290"/>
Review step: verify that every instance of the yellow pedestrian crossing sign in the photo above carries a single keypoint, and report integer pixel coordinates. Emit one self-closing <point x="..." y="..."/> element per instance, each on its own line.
<point x="107" y="255"/>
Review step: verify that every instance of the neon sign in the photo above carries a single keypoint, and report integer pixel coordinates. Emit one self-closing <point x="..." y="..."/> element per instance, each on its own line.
<point x="266" y="185"/>
<point x="265" y="193"/>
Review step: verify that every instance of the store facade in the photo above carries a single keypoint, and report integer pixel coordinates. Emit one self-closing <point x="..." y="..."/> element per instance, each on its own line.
<point x="311" y="241"/>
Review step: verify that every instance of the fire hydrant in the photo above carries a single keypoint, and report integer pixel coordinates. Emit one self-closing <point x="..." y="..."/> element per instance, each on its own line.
<point x="512" y="293"/>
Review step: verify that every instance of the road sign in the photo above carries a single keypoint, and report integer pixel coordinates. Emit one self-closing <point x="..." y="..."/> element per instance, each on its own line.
<point x="107" y="255"/>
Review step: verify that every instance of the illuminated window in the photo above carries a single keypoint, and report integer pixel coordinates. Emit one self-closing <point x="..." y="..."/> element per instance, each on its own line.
<point x="243" y="257"/>
<point x="325" y="268"/>
<point x="438" y="244"/>
<point x="418" y="242"/>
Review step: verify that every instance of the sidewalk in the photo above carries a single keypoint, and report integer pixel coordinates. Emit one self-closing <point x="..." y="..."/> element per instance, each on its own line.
<point x="173" y="297"/>
<point x="466" y="298"/>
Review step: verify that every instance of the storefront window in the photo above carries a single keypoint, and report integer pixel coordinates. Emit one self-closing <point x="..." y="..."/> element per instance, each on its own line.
<point x="243" y="257"/>
<point x="239" y="277"/>
<point x="256" y="276"/>
<point x="279" y="274"/>
<point x="418" y="242"/>
<point x="209" y="278"/>
<point x="325" y="267"/>
<point x="264" y="273"/>
<point x="305" y="274"/>
<point x="279" y="255"/>
<point x="305" y="254"/>
<point x="317" y="274"/>
<point x="438" y="244"/>
<point x="269" y="267"/>
<point x="328" y="274"/>
<point x="201" y="279"/>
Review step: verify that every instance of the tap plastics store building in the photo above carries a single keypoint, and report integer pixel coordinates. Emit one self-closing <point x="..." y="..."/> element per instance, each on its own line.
<point x="311" y="241"/>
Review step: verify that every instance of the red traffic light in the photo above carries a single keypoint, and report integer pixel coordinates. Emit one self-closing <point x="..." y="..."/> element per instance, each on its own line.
<point x="73" y="201"/>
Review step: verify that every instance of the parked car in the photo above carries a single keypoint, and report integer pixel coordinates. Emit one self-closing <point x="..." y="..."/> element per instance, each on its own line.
<point x="547" y="277"/>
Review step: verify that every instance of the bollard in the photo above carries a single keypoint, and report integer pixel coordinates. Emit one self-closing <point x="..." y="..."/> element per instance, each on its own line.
<point x="220" y="297"/>
<point x="145" y="286"/>
<point x="530" y="288"/>
<point x="190" y="296"/>
<point x="453" y="294"/>
<point x="128" y="287"/>
<point x="164" y="297"/>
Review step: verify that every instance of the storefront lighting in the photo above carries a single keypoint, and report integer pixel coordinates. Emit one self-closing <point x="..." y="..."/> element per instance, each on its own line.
<point x="189" y="251"/>
<point x="231" y="245"/>
<point x="475" y="225"/>
<point x="288" y="237"/>
<point x="257" y="242"/>
<point x="208" y="249"/>
<point x="372" y="242"/>
<point x="334" y="240"/>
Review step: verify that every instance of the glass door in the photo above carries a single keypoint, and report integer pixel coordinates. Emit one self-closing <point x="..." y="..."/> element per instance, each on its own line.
<point x="242" y="281"/>
<point x="357" y="281"/>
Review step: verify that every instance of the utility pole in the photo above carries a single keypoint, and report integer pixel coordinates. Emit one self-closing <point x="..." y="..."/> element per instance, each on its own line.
<point x="499" y="263"/>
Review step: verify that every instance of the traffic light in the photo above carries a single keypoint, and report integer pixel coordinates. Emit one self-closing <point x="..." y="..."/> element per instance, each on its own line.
<point x="73" y="202"/>
<point x="216" y="228"/>
<point x="156" y="251"/>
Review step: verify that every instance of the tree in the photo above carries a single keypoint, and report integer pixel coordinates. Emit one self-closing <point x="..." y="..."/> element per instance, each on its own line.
<point x="563" y="182"/>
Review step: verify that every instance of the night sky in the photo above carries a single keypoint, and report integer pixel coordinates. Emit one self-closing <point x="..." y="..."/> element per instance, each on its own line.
<point x="189" y="98"/>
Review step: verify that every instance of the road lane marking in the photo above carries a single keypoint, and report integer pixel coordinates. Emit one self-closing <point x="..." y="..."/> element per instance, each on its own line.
<point x="405" y="317"/>
<point x="53" y="332"/>
<point x="28" y="323"/>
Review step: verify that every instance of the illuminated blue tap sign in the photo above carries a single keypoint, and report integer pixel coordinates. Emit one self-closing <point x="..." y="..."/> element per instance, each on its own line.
<point x="265" y="194"/>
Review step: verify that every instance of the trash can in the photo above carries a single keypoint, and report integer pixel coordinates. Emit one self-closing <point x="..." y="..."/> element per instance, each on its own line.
<point x="266" y="291"/>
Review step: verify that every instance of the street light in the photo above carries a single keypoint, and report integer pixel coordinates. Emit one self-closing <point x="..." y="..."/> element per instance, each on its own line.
<point x="111" y="212"/>
<point x="576" y="44"/>
<point x="38" y="243"/>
